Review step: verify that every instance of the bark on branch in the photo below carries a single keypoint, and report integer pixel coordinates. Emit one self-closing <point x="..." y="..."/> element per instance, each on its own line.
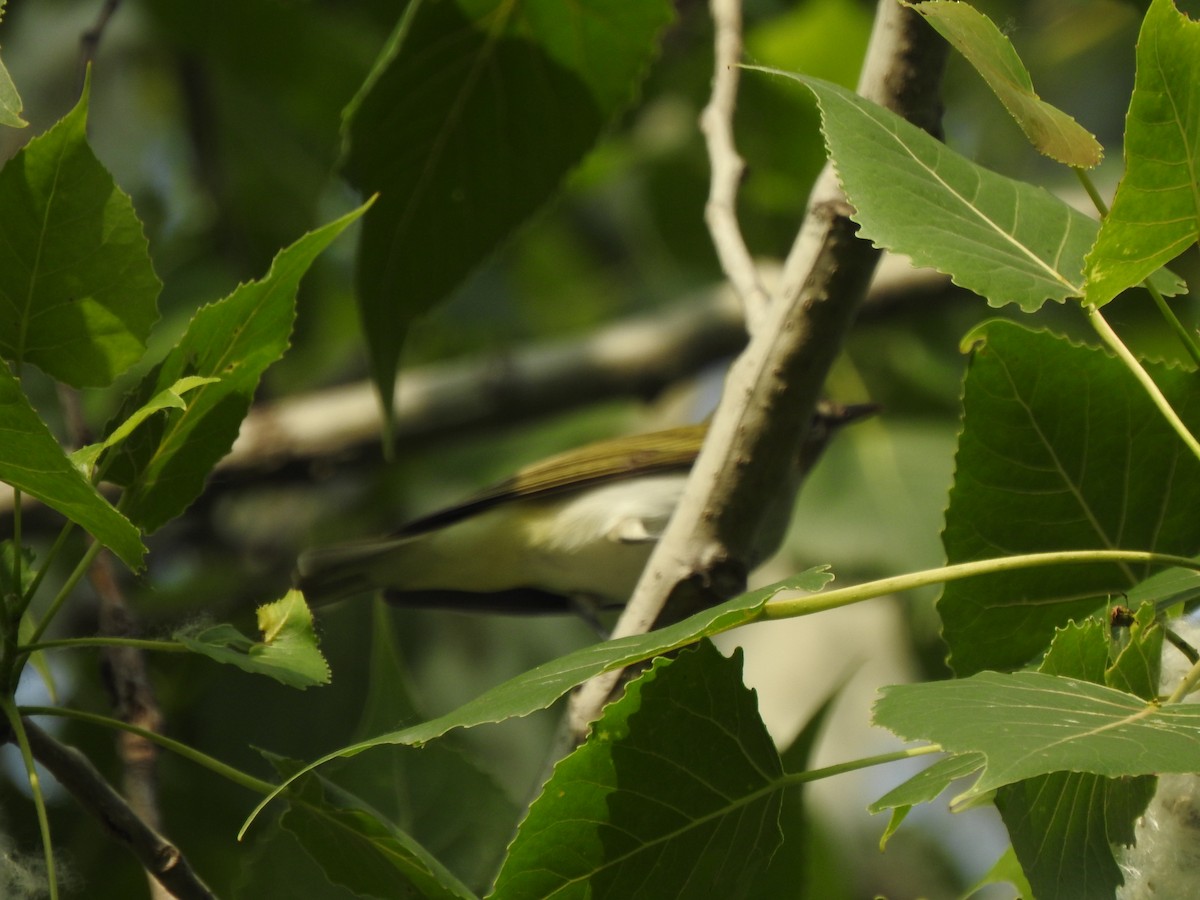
<point x="75" y="772"/>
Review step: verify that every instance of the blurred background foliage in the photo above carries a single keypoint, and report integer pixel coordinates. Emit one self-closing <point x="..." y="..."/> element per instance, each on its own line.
<point x="222" y="121"/>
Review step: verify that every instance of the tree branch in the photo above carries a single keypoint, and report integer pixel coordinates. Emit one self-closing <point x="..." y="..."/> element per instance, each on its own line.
<point x="133" y="701"/>
<point x="728" y="167"/>
<point x="75" y="772"/>
<point x="744" y="482"/>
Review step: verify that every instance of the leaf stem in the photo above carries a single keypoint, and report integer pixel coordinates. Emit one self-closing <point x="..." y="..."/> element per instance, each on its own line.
<point x="84" y="642"/>
<point x="35" y="788"/>
<point x="1114" y="342"/>
<point x="1090" y="187"/>
<point x="226" y="771"/>
<point x="790" y="607"/>
<point x="791" y="779"/>
<point x="53" y="552"/>
<point x="1187" y="685"/>
<point x="1172" y="320"/>
<point x="73" y="579"/>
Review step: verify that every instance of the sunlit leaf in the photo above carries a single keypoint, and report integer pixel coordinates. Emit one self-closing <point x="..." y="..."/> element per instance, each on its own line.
<point x="10" y="100"/>
<point x="171" y="398"/>
<point x="1155" y="215"/>
<point x="1008" y="241"/>
<point x="1028" y="724"/>
<point x="985" y="47"/>
<point x="287" y="652"/>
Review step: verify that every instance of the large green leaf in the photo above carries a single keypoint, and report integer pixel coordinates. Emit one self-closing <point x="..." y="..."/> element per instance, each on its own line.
<point x="1155" y="215"/>
<point x="674" y="794"/>
<point x="1028" y="724"/>
<point x="1060" y="450"/>
<point x="985" y="47"/>
<point x="474" y="113"/>
<point x="1008" y="241"/>
<point x="77" y="290"/>
<point x="32" y="461"/>
<point x="165" y="461"/>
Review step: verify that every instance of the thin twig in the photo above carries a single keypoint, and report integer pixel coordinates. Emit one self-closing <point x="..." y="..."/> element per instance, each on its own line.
<point x="75" y="772"/>
<point x="89" y="41"/>
<point x="728" y="167"/>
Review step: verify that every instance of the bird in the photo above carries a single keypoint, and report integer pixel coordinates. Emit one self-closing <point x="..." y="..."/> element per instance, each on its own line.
<point x="569" y="533"/>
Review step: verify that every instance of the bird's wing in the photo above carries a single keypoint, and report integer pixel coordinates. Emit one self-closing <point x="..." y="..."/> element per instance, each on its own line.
<point x="609" y="460"/>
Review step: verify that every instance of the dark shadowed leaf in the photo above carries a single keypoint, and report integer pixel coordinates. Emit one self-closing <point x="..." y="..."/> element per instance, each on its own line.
<point x="468" y="124"/>
<point x="673" y="795"/>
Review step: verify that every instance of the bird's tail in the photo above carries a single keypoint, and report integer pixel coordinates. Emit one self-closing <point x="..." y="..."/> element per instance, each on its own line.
<point x="329" y="574"/>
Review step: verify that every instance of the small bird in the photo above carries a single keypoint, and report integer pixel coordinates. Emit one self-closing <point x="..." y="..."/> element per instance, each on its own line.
<point x="570" y="533"/>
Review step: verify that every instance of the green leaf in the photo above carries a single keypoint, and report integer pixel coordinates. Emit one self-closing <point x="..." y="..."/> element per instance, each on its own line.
<point x="32" y="461"/>
<point x="172" y="398"/>
<point x="287" y="652"/>
<point x="1155" y="214"/>
<point x="1008" y="241"/>
<point x="540" y="687"/>
<point x="929" y="782"/>
<point x="1063" y="825"/>
<point x="1060" y="449"/>
<point x="12" y="586"/>
<point x="473" y="115"/>
<point x="977" y="38"/>
<point x="1029" y="723"/>
<point x="1006" y="870"/>
<point x="228" y="345"/>
<point x="1138" y="666"/>
<point x="674" y="794"/>
<point x="1079" y="650"/>
<point x="277" y="865"/>
<point x="77" y="290"/>
<point x="360" y="851"/>
<point x="1165" y="589"/>
<point x="10" y="100"/>
<point x="410" y="785"/>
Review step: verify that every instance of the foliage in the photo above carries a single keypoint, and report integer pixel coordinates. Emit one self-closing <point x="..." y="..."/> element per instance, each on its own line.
<point x="1068" y="537"/>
